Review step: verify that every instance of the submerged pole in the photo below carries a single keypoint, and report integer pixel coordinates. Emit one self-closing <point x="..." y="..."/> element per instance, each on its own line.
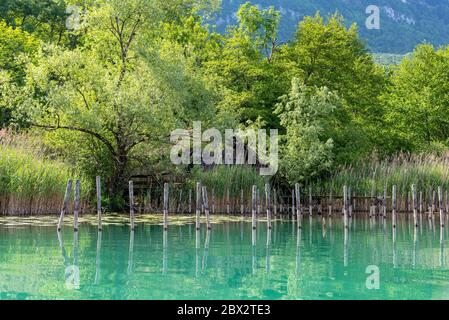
<point x="165" y="206"/>
<point x="98" y="185"/>
<point x="131" y="204"/>
<point x="65" y="204"/>
<point x="76" y="205"/>
<point x="206" y="207"/>
<point x="253" y="209"/>
<point x="268" y="204"/>
<point x="198" y="205"/>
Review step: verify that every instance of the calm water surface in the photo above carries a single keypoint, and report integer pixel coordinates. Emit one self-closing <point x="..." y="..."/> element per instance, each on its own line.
<point x="229" y="262"/>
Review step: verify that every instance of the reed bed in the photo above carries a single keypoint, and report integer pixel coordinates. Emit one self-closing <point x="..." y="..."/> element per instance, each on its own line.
<point x="30" y="183"/>
<point x="370" y="177"/>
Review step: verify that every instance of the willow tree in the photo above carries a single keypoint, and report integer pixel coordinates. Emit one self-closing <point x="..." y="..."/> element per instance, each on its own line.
<point x="111" y="103"/>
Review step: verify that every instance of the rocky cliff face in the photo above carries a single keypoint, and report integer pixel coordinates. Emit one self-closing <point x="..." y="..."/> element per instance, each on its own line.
<point x="403" y="23"/>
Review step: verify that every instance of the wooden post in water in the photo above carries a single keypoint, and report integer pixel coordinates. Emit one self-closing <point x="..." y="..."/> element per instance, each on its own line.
<point x="384" y="204"/>
<point x="393" y="205"/>
<point x="258" y="200"/>
<point x="420" y="202"/>
<point x="415" y="205"/>
<point x="441" y="208"/>
<point x="330" y="203"/>
<point x="298" y="205"/>
<point x="293" y="204"/>
<point x="242" y="206"/>
<point x="198" y="205"/>
<point x="131" y="204"/>
<point x="268" y="204"/>
<point x="178" y="209"/>
<point x="213" y="201"/>
<point x="345" y="206"/>
<point x="228" y="205"/>
<point x="253" y="206"/>
<point x="310" y="201"/>
<point x="165" y="206"/>
<point x="190" y="201"/>
<point x="98" y="185"/>
<point x="76" y="205"/>
<point x="349" y="203"/>
<point x="206" y="207"/>
<point x="275" y="203"/>
<point x="65" y="204"/>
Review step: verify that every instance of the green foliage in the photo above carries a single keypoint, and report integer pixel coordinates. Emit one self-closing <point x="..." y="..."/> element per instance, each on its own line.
<point x="307" y="114"/>
<point x="418" y="100"/>
<point x="29" y="181"/>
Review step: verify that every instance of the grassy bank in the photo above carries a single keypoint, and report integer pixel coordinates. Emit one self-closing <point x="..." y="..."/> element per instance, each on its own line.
<point x="30" y="183"/>
<point x="425" y="171"/>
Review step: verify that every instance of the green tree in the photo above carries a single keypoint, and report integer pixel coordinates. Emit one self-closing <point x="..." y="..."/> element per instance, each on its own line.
<point x="308" y="115"/>
<point x="326" y="53"/>
<point x="418" y="112"/>
<point x="110" y="105"/>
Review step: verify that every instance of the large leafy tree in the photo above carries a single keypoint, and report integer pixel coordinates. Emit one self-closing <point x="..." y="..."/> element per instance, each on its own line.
<point x="418" y="102"/>
<point x="245" y="71"/>
<point x="327" y="53"/>
<point x="309" y="115"/>
<point x="111" y="104"/>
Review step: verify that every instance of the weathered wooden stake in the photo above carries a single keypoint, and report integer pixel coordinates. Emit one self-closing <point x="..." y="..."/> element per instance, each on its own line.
<point x="420" y="202"/>
<point x="293" y="204"/>
<point x="198" y="205"/>
<point x="393" y="205"/>
<point x="275" y="203"/>
<point x="65" y="204"/>
<point x="298" y="205"/>
<point x="242" y="206"/>
<point x="441" y="208"/>
<point x="415" y="205"/>
<point x="228" y="205"/>
<point x="131" y="204"/>
<point x="330" y="203"/>
<point x="98" y="185"/>
<point x="345" y="206"/>
<point x="165" y="206"/>
<point x="384" y="203"/>
<point x="268" y="204"/>
<point x="190" y="201"/>
<point x="76" y="205"/>
<point x="253" y="207"/>
<point x="206" y="207"/>
<point x="310" y="201"/>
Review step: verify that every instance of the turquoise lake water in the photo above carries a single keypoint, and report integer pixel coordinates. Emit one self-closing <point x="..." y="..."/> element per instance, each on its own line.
<point x="320" y="261"/>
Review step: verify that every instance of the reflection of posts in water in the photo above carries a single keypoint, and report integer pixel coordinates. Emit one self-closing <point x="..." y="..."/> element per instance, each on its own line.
<point x="131" y="252"/>
<point x="415" y="241"/>
<point x="442" y="262"/>
<point x="345" y="254"/>
<point x="394" y="249"/>
<point x="268" y="258"/>
<point x="72" y="276"/>
<point x="253" y="247"/>
<point x="323" y="226"/>
<point x="310" y="229"/>
<point x="298" y="252"/>
<point x="164" y="251"/>
<point x="206" y="250"/>
<point x="98" y="259"/>
<point x="197" y="249"/>
<point x="63" y="252"/>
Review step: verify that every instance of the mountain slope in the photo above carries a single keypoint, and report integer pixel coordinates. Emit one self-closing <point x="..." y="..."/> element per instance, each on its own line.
<point x="403" y="23"/>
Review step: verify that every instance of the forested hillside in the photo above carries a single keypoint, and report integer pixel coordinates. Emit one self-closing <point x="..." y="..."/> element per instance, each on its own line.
<point x="404" y="23"/>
